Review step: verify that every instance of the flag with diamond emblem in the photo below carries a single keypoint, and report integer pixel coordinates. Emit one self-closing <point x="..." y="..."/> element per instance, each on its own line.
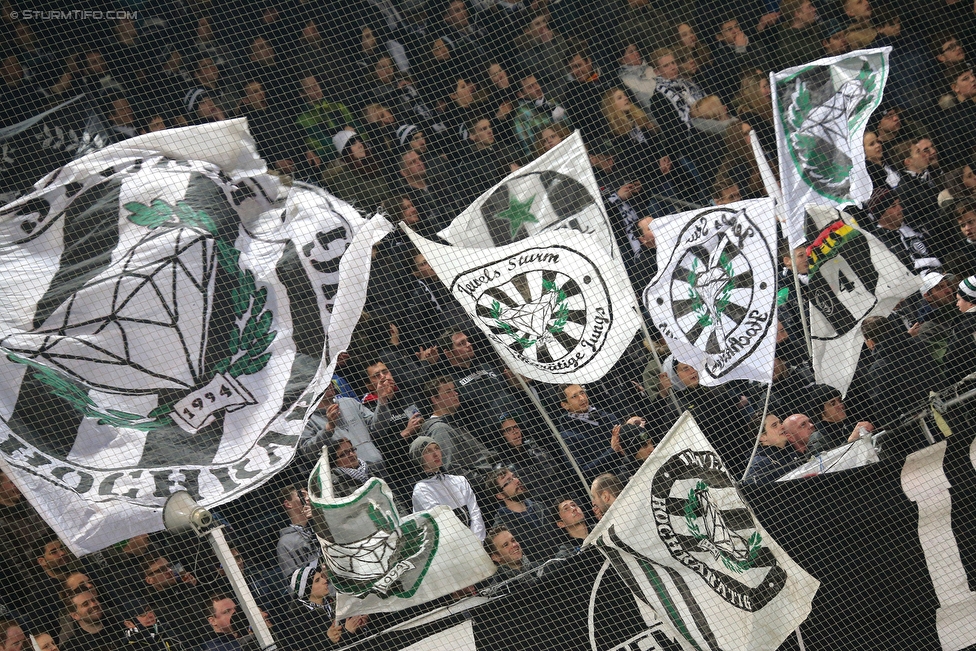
<point x="169" y="311"/>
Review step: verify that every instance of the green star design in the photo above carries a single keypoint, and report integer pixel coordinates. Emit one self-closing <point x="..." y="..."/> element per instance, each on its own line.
<point x="517" y="214"/>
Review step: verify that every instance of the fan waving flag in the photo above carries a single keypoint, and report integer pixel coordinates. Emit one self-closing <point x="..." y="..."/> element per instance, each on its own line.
<point x="165" y="326"/>
<point x="550" y="304"/>
<point x="555" y="191"/>
<point x="692" y="549"/>
<point x="714" y="297"/>
<point x="821" y="110"/>
<point x="851" y="276"/>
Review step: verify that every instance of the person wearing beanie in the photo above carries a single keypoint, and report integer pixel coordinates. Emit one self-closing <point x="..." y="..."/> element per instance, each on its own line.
<point x="437" y="487"/>
<point x="313" y="611"/>
<point x="960" y="358"/>
<point x="829" y="415"/>
<point x="356" y="176"/>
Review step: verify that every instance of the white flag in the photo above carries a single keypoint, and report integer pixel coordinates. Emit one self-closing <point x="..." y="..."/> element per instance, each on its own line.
<point x="852" y="276"/>
<point x="555" y="191"/>
<point x="714" y="296"/>
<point x="820" y="111"/>
<point x="555" y="306"/>
<point x="693" y="550"/>
<point x="379" y="562"/>
<point x="165" y="324"/>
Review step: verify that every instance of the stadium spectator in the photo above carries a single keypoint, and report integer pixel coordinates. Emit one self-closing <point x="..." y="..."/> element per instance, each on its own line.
<point x="584" y="93"/>
<point x="314" y="610"/>
<point x="96" y="630"/>
<point x="958" y="121"/>
<point x="964" y="257"/>
<point x="461" y="450"/>
<point x="960" y="184"/>
<point x="571" y="519"/>
<point x="397" y="420"/>
<point x="735" y="50"/>
<point x="297" y="545"/>
<point x="541" y="49"/>
<point x="540" y="470"/>
<point x="534" y="113"/>
<point x="13" y="636"/>
<point x="882" y="174"/>
<point x="639" y="78"/>
<point x="830" y="416"/>
<point x="775" y="455"/>
<point x="585" y="429"/>
<point x="803" y="435"/>
<point x="507" y="554"/>
<point x="349" y="472"/>
<point x="44" y="641"/>
<point x="833" y="38"/>
<point x="962" y="345"/>
<point x="905" y="242"/>
<point x="604" y="492"/>
<point x="527" y="519"/>
<point x="437" y="487"/>
<point x="143" y="631"/>
<point x="356" y="176"/>
<point x="799" y="37"/>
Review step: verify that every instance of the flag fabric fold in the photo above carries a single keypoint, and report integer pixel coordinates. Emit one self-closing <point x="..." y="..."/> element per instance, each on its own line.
<point x="714" y="296"/>
<point x="166" y="309"/>
<point x="820" y="111"/>
<point x="689" y="546"/>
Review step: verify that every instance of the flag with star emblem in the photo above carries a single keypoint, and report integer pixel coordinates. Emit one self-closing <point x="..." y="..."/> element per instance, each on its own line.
<point x="555" y="191"/>
<point x="550" y="303"/>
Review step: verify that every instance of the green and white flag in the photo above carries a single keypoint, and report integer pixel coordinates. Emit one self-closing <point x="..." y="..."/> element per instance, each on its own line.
<point x="170" y="312"/>
<point x="687" y="545"/>
<point x="821" y="110"/>
<point x="379" y="561"/>
<point x="714" y="296"/>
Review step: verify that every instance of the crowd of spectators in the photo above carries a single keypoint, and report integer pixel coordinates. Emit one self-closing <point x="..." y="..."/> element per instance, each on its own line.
<point x="416" y="107"/>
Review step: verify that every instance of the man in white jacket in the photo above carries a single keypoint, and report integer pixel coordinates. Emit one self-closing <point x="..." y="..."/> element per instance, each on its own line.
<point x="437" y="487"/>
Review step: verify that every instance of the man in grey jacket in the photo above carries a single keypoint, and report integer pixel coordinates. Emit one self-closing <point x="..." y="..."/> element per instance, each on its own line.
<point x="460" y="449"/>
<point x="340" y="417"/>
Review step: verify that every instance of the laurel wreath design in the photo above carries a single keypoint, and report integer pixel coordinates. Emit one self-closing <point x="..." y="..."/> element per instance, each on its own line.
<point x="247" y="345"/>
<point x="691" y="520"/>
<point x="698" y="304"/>
<point x="560" y="317"/>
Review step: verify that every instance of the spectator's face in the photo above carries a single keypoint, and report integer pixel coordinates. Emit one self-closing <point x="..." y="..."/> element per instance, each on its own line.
<point x="320" y="585"/>
<point x="798" y="429"/>
<point x="576" y="401"/>
<point x="872" y="147"/>
<point x="687" y="35"/>
<point x="385" y="70"/>
<point x="346" y="456"/>
<point x="147" y="618"/>
<point x="482" y="134"/>
<point x="963" y="304"/>
<point x="45" y="642"/>
<point x="952" y="52"/>
<point x="891" y="122"/>
<point x="223" y="614"/>
<point x="311" y="90"/>
<point x="620" y="101"/>
<point x="570" y="514"/>
<point x="689" y="66"/>
<point x="965" y="86"/>
<point x="631" y="56"/>
<point x="122" y="114"/>
<point x="531" y="89"/>
<point x="87" y="608"/>
<point x="967" y="224"/>
<point x="732" y="34"/>
<point x="204" y="30"/>
<point x="431" y="458"/>
<point x="498" y="76"/>
<point x="368" y="40"/>
<point x="893" y="218"/>
<point x="9" y="493"/>
<point x="440" y="51"/>
<point x="79" y="582"/>
<point x="511" y="432"/>
<point x="943" y="293"/>
<point x="418" y="142"/>
<point x="96" y="63"/>
<point x="357" y="150"/>
<point x="409" y="212"/>
<point x="507" y="549"/>
<point x="969" y="177"/>
<point x="781" y="334"/>
<point x="208" y="110"/>
<point x="667" y="67"/>
<point x="376" y="374"/>
<point x="581" y="68"/>
<point x="550" y="139"/>
<point x="379" y="115"/>
<point x="55" y="556"/>
<point x="461" y="347"/>
<point x="687" y="374"/>
<point x="837" y="44"/>
<point x="424" y="270"/>
<point x="447" y="399"/>
<point x="414" y="169"/>
<point x="858" y="9"/>
<point x="207" y="71"/>
<point x="601" y="502"/>
<point x="729" y="194"/>
<point x="261" y="51"/>
<point x="806" y="14"/>
<point x="773" y="434"/>
<point x="509" y="485"/>
<point x="539" y="29"/>
<point x="14" y="640"/>
<point x="157" y="123"/>
<point x="311" y="32"/>
<point x="254" y="95"/>
<point x="456" y="15"/>
<point x="834" y="411"/>
<point x="160" y="574"/>
<point x="644" y="233"/>
<point x="463" y="93"/>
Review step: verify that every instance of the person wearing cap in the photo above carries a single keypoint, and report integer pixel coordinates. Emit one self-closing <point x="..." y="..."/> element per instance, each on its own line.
<point x="437" y="487"/>
<point x="143" y="631"/>
<point x="356" y="175"/>
<point x="829" y="416"/>
<point x="960" y="358"/>
<point x="314" y="613"/>
<point x="833" y="38"/>
<point x="900" y="238"/>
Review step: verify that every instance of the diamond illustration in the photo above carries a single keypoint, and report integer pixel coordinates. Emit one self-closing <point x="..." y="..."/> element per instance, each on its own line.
<point x="140" y="325"/>
<point x="533" y="317"/>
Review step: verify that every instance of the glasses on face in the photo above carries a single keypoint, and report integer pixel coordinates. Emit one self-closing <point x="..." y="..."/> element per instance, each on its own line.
<point x="346" y="453"/>
<point x="955" y="45"/>
<point x="510" y="428"/>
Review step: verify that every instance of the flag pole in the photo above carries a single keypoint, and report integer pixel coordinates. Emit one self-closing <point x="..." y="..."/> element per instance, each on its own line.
<point x="762" y="425"/>
<point x="799" y="640"/>
<point x="552" y="426"/>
